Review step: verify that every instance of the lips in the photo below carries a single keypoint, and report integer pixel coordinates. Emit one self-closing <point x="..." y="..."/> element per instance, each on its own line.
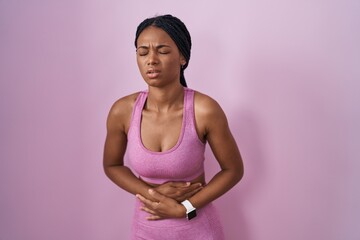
<point x="152" y="73"/>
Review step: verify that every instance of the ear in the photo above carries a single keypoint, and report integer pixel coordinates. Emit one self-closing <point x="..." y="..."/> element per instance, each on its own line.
<point x="182" y="60"/>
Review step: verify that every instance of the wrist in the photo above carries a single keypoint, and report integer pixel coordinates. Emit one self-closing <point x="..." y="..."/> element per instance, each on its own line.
<point x="181" y="211"/>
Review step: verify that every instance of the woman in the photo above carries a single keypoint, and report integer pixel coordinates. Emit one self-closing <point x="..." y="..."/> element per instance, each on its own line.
<point x="164" y="131"/>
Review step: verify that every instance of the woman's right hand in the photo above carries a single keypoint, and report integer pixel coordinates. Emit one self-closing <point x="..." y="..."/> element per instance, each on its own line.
<point x="179" y="191"/>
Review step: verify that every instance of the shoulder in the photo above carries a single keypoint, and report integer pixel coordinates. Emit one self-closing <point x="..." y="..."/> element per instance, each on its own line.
<point x="124" y="104"/>
<point x="208" y="114"/>
<point x="206" y="105"/>
<point x="121" y="111"/>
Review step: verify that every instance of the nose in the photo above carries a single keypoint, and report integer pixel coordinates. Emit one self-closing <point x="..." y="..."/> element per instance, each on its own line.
<point x="153" y="58"/>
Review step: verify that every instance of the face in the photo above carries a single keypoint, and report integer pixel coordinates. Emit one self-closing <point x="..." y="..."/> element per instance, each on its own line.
<point x="158" y="57"/>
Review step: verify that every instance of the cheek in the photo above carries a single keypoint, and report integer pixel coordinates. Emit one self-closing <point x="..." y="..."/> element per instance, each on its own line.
<point x="140" y="64"/>
<point x="138" y="61"/>
<point x="141" y="69"/>
<point x="173" y="64"/>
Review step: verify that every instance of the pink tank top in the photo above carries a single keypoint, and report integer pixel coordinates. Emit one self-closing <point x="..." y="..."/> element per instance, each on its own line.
<point x="183" y="162"/>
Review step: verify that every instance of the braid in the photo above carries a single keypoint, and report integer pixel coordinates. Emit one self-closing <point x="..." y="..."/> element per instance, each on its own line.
<point x="178" y="33"/>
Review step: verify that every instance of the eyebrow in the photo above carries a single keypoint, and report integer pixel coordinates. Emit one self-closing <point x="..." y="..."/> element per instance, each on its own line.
<point x="157" y="47"/>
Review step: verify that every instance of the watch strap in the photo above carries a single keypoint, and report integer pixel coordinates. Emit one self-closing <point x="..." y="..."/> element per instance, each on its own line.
<point x="189" y="207"/>
<point x="190" y="210"/>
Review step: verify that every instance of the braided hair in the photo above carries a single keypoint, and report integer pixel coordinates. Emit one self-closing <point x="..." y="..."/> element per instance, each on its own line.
<point x="178" y="33"/>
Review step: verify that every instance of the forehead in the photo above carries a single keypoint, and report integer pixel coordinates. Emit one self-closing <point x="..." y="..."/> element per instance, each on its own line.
<point x="154" y="35"/>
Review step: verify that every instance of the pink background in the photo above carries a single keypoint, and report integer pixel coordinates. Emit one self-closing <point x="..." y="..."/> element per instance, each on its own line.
<point x="285" y="72"/>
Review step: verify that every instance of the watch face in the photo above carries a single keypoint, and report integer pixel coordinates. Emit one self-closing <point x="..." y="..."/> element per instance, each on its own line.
<point x="191" y="214"/>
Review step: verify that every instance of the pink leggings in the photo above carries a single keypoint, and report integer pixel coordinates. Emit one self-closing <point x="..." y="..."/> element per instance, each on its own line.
<point x="205" y="226"/>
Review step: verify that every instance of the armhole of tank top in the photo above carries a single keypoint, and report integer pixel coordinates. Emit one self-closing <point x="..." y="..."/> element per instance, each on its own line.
<point x="131" y="125"/>
<point x="193" y="119"/>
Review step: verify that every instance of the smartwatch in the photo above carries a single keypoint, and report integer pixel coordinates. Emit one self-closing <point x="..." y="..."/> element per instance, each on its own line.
<point x="190" y="210"/>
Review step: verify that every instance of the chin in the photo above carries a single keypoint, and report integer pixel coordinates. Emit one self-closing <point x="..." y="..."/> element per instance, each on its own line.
<point x="153" y="82"/>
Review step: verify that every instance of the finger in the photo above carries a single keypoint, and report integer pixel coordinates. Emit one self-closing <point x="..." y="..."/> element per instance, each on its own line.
<point x="192" y="189"/>
<point x="157" y="196"/>
<point x="180" y="184"/>
<point x="153" y="217"/>
<point x="195" y="186"/>
<point x="146" y="201"/>
<point x="148" y="210"/>
<point x="192" y="193"/>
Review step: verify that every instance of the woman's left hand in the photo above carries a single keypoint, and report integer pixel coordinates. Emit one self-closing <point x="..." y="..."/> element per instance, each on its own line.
<point x="164" y="207"/>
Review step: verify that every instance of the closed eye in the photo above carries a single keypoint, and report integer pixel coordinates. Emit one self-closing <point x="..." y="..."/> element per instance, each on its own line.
<point x="164" y="49"/>
<point x="142" y="51"/>
<point x="161" y="49"/>
<point x="164" y="52"/>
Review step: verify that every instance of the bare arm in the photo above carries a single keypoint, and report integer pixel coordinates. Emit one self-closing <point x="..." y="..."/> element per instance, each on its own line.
<point x="213" y="123"/>
<point x="115" y="147"/>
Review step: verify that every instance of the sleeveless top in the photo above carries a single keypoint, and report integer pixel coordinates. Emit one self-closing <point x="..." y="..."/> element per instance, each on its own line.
<point x="183" y="162"/>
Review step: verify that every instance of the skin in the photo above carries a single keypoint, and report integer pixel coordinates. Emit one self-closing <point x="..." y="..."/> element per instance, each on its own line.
<point x="160" y="129"/>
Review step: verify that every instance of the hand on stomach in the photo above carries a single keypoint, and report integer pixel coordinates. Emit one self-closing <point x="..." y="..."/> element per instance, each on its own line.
<point x="180" y="190"/>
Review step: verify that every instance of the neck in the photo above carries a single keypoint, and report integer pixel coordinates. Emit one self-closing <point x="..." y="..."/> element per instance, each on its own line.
<point x="164" y="99"/>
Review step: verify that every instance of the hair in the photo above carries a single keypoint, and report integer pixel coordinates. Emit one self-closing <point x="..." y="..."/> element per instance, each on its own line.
<point x="178" y="33"/>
